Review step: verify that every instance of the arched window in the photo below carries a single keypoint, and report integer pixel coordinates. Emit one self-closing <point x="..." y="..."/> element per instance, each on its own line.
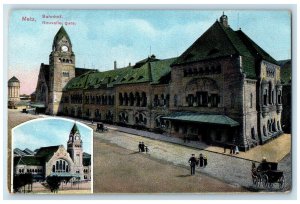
<point x="138" y="99"/>
<point x="131" y="99"/>
<point x="144" y="99"/>
<point x="120" y="99"/>
<point x="264" y="130"/>
<point x="126" y="99"/>
<point x="279" y="97"/>
<point x="61" y="166"/>
<point x="270" y="93"/>
<point x="253" y="133"/>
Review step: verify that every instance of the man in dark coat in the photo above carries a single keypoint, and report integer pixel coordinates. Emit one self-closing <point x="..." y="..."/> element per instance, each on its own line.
<point x="143" y="147"/>
<point x="140" y="147"/>
<point x="193" y="162"/>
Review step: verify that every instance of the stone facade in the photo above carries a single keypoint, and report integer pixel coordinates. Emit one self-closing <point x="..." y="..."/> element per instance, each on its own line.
<point x="56" y="160"/>
<point x="224" y="75"/>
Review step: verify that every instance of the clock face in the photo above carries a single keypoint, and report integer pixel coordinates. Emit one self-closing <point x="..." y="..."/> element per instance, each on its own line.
<point x="64" y="48"/>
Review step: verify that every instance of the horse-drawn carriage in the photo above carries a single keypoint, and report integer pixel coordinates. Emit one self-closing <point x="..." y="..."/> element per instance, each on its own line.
<point x="266" y="175"/>
<point x="101" y="127"/>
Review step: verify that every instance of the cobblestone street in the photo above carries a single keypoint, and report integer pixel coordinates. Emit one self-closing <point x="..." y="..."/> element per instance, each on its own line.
<point x="229" y="169"/>
<point x="233" y="170"/>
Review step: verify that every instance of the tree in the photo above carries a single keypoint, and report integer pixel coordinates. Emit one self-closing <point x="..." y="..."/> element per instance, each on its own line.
<point x="53" y="183"/>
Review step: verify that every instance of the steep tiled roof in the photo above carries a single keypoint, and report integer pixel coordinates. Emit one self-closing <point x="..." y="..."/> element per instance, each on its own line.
<point x="222" y="41"/>
<point x="74" y="129"/>
<point x="60" y="34"/>
<point x="46" y="152"/>
<point x="152" y="71"/>
<point x="28" y="160"/>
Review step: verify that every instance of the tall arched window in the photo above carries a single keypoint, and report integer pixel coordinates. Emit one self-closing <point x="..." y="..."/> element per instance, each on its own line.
<point x="61" y="166"/>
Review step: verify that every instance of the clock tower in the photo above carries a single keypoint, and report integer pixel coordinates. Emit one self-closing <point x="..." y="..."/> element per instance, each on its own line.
<point x="61" y="69"/>
<point x="74" y="148"/>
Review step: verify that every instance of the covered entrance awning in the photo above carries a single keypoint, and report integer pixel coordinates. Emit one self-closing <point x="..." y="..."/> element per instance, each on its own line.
<point x="201" y="118"/>
<point x="65" y="174"/>
<point x="38" y="105"/>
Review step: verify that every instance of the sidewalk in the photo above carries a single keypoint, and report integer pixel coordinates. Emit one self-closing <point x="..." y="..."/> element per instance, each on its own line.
<point x="274" y="150"/>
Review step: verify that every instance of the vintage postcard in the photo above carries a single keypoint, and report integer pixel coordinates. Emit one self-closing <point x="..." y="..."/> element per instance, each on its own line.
<point x="178" y="101"/>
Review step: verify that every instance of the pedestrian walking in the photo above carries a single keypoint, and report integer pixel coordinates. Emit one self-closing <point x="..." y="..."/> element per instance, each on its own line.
<point x="143" y="147"/>
<point x="140" y="146"/>
<point x="205" y="161"/>
<point x="193" y="162"/>
<point x="201" y="160"/>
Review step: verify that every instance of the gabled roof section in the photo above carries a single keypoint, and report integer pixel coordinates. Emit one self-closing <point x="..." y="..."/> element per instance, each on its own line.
<point x="160" y="70"/>
<point x="256" y="50"/>
<point x="214" y="43"/>
<point x="28" y="160"/>
<point x="60" y="34"/>
<point x="46" y="152"/>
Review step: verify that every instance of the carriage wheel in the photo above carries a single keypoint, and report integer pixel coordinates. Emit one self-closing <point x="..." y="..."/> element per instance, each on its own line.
<point x="281" y="182"/>
<point x="255" y="181"/>
<point x="265" y="181"/>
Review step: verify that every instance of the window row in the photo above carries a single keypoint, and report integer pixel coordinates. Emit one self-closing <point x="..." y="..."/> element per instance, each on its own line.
<point x="61" y="166"/>
<point x="101" y="100"/>
<point x="162" y="100"/>
<point x="31" y="170"/>
<point x="272" y="126"/>
<point x="207" y="70"/>
<point x="63" y="60"/>
<point x="269" y="97"/>
<point x="137" y="99"/>
<point x="203" y="99"/>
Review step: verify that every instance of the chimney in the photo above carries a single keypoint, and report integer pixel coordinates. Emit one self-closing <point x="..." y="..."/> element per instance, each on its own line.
<point x="115" y="65"/>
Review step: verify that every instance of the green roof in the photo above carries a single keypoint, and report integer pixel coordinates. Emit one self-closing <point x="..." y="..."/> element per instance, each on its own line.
<point x="201" y="118"/>
<point x="74" y="129"/>
<point x="152" y="71"/>
<point x="221" y="41"/>
<point x="46" y="152"/>
<point x="60" y="34"/>
<point x="28" y="160"/>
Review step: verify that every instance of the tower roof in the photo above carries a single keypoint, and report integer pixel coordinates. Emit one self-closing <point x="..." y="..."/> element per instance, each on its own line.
<point x="60" y="34"/>
<point x="13" y="79"/>
<point x="74" y="129"/>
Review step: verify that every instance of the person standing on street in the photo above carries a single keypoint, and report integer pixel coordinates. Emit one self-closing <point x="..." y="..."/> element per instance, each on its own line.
<point x="205" y="161"/>
<point x="193" y="162"/>
<point x="143" y="147"/>
<point x="140" y="147"/>
<point x="201" y="160"/>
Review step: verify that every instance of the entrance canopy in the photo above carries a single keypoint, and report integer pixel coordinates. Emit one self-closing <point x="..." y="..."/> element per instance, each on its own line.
<point x="38" y="105"/>
<point x="201" y="118"/>
<point x="65" y="174"/>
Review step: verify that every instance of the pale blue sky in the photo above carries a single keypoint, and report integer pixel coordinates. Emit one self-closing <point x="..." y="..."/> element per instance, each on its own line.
<point x="49" y="132"/>
<point x="102" y="36"/>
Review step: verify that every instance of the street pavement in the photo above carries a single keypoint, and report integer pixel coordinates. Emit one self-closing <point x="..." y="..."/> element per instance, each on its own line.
<point x="231" y="169"/>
